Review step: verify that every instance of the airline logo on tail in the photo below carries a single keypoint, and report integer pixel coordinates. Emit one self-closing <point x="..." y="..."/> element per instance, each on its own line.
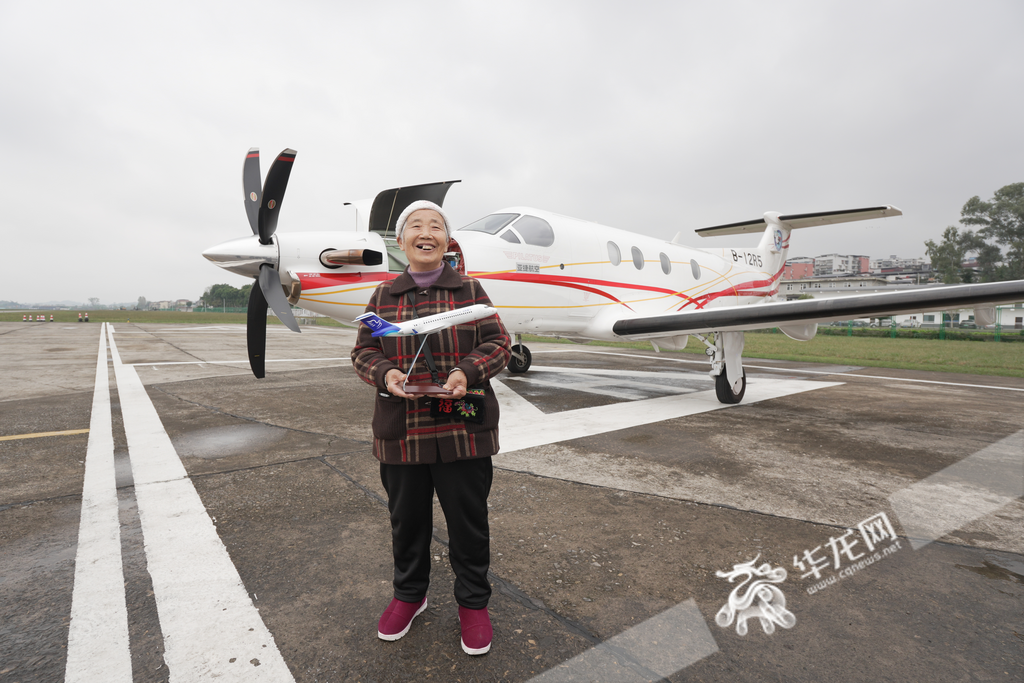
<point x="380" y="326"/>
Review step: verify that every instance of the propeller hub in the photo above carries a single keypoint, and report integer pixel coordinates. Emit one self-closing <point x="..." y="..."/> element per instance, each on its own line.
<point x="244" y="255"/>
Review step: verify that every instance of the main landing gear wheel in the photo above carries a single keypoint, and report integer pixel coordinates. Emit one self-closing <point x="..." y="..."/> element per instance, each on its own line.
<point x="520" y="360"/>
<point x="724" y="391"/>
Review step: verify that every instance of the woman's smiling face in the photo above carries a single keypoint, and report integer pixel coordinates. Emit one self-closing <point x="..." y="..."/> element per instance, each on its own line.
<point x="424" y="240"/>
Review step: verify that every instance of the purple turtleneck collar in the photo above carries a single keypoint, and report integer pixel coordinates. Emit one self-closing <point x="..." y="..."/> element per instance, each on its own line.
<point x="426" y="278"/>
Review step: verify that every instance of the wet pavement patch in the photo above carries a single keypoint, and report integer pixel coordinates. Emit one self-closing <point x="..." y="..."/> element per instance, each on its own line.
<point x="219" y="442"/>
<point x="998" y="568"/>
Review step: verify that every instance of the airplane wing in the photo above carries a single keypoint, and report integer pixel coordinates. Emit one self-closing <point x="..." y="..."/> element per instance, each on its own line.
<point x="807" y="311"/>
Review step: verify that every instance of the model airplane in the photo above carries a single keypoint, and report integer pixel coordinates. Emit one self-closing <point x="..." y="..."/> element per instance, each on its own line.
<point x="425" y="325"/>
<point x="558" y="276"/>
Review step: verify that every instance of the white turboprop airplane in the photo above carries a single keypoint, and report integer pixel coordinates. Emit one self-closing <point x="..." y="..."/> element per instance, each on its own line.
<point x="553" y="275"/>
<point x="426" y="324"/>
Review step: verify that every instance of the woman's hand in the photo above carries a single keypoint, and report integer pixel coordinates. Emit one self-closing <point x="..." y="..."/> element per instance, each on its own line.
<point x="394" y="381"/>
<point x="456" y="383"/>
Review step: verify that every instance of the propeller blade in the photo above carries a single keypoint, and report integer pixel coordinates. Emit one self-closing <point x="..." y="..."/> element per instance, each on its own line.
<point x="256" y="331"/>
<point x="273" y="194"/>
<point x="251" y="186"/>
<point x="270" y="284"/>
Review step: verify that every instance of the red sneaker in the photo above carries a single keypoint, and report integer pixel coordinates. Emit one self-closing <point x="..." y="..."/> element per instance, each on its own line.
<point x="476" y="630"/>
<point x="397" y="618"/>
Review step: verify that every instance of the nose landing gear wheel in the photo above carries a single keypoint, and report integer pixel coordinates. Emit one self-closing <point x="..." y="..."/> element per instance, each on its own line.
<point x="723" y="389"/>
<point x="521" y="359"/>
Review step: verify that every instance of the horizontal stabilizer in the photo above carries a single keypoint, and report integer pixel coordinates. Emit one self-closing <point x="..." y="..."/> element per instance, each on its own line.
<point x="808" y="311"/>
<point x="801" y="220"/>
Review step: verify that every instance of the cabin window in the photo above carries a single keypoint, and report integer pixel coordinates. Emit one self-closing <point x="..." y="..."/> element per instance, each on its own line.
<point x="614" y="255"/>
<point x="666" y="263"/>
<point x="535" y="231"/>
<point x="695" y="269"/>
<point x="638" y="258"/>
<point x="510" y="236"/>
<point x="491" y="224"/>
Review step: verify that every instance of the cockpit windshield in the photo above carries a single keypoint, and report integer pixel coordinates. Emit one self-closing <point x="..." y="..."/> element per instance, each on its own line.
<point x="491" y="224"/>
<point x="535" y="231"/>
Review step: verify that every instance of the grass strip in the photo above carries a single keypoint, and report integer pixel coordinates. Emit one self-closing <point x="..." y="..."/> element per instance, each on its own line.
<point x="966" y="357"/>
<point x="949" y="355"/>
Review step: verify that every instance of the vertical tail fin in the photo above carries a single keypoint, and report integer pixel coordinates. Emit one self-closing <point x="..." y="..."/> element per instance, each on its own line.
<point x="774" y="244"/>
<point x="379" y="326"/>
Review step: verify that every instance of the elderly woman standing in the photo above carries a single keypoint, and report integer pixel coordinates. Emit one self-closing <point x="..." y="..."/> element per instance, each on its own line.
<point x="421" y="454"/>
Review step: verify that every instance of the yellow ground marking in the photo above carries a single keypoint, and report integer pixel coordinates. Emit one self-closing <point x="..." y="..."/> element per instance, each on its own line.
<point x="41" y="434"/>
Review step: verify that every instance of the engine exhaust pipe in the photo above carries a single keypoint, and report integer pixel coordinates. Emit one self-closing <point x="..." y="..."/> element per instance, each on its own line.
<point x="334" y="258"/>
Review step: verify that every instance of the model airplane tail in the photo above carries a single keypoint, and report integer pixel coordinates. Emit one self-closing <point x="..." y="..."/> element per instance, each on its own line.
<point x="379" y="326"/>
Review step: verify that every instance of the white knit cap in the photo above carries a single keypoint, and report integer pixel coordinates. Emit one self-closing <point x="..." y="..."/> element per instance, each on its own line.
<point x="416" y="206"/>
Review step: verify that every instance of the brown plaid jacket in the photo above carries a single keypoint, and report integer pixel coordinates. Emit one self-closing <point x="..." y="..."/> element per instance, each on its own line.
<point x="403" y="430"/>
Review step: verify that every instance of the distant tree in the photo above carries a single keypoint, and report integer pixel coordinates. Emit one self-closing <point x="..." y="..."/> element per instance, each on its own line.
<point x="948" y="256"/>
<point x="93" y="302"/>
<point x="1001" y="220"/>
<point x="225" y="295"/>
<point x="143" y="304"/>
<point x="990" y="265"/>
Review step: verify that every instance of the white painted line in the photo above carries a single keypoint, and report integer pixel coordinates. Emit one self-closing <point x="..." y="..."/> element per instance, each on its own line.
<point x="625" y="355"/>
<point x="514" y="408"/>
<point x="98" y="644"/>
<point x="347" y="359"/>
<point x="611" y="372"/>
<point x="927" y="381"/>
<point x="787" y="370"/>
<point x="211" y="628"/>
<point x="963" y="492"/>
<point x="574" y="424"/>
<point x="650" y="651"/>
<point x="624" y="389"/>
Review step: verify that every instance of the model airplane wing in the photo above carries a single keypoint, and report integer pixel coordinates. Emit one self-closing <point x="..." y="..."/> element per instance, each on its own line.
<point x="426" y="325"/>
<point x="809" y="311"/>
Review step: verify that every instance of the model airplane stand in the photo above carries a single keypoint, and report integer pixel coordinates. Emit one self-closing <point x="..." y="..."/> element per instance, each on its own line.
<point x="434" y="389"/>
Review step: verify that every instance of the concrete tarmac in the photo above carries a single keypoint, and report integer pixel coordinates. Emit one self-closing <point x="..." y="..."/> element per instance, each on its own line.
<point x="624" y="497"/>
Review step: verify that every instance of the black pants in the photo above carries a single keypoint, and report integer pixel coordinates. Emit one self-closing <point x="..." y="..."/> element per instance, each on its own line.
<point x="462" y="488"/>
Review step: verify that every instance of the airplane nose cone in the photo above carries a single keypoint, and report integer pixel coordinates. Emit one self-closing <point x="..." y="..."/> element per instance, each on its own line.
<point x="244" y="255"/>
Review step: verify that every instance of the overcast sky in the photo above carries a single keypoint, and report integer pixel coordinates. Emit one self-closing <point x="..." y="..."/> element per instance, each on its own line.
<point x="124" y="124"/>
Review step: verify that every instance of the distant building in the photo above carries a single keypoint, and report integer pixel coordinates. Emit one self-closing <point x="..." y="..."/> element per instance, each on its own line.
<point x="894" y="268"/>
<point x="798" y="268"/>
<point x="828" y="287"/>
<point x="841" y="264"/>
<point x="1010" y="317"/>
